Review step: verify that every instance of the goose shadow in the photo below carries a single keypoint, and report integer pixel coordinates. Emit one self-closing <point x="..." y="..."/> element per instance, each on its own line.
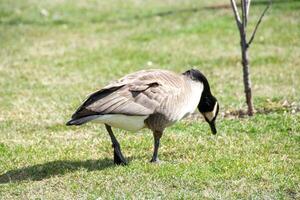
<point x="59" y="167"/>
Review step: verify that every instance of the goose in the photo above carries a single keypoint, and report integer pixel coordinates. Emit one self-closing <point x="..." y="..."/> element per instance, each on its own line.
<point x="153" y="99"/>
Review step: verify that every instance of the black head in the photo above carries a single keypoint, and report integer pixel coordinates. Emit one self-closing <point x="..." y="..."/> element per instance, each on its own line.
<point x="208" y="105"/>
<point x="195" y="75"/>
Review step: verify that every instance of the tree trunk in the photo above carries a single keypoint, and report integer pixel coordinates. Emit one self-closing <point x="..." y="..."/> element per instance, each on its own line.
<point x="246" y="73"/>
<point x="241" y="24"/>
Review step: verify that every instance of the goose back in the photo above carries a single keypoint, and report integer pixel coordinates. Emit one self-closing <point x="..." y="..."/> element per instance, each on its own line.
<point x="160" y="97"/>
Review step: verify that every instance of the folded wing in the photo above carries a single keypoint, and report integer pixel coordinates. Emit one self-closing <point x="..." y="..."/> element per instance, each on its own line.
<point x="138" y="94"/>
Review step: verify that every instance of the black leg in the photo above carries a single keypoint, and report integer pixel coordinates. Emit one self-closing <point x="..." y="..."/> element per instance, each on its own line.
<point x="118" y="156"/>
<point x="157" y="136"/>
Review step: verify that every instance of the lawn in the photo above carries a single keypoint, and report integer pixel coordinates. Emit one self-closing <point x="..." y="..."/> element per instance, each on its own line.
<point x="53" y="53"/>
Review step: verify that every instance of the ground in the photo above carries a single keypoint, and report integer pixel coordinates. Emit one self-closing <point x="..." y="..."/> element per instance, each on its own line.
<point x="54" y="53"/>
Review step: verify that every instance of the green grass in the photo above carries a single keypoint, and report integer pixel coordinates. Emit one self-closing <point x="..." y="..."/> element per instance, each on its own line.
<point x="50" y="62"/>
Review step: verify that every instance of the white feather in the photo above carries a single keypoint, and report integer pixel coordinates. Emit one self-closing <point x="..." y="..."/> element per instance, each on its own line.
<point x="126" y="122"/>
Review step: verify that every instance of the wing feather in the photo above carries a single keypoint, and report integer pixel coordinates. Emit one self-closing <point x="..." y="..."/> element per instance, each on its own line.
<point x="141" y="93"/>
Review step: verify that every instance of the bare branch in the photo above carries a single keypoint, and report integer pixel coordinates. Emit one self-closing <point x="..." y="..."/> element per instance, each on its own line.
<point x="244" y="15"/>
<point x="258" y="23"/>
<point x="245" y="4"/>
<point x="248" y="2"/>
<point x="236" y="14"/>
<point x="246" y="7"/>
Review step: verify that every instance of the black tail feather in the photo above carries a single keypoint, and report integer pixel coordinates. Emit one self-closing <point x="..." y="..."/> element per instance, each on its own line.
<point x="71" y="123"/>
<point x="80" y="121"/>
<point x="75" y="122"/>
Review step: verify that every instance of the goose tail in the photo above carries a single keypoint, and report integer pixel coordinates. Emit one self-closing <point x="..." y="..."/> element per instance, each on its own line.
<point x="80" y="121"/>
<point x="71" y="122"/>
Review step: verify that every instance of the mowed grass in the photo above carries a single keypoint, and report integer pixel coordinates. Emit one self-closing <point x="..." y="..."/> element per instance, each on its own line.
<point x="54" y="53"/>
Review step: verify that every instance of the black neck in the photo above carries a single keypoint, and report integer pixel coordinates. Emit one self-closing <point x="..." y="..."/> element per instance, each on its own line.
<point x="207" y="101"/>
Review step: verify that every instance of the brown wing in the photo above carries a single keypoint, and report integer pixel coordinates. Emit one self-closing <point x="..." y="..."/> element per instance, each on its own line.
<point x="140" y="93"/>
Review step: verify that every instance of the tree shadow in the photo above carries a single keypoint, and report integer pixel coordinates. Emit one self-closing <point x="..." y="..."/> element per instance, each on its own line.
<point x="54" y="168"/>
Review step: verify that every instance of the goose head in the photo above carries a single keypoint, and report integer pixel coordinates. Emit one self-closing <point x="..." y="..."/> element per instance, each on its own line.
<point x="208" y="104"/>
<point x="210" y="113"/>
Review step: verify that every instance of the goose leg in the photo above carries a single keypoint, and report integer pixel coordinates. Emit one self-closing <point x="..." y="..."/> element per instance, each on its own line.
<point x="157" y="135"/>
<point x="118" y="156"/>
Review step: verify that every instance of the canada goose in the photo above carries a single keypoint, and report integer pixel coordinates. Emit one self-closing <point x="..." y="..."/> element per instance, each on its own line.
<point x="153" y="99"/>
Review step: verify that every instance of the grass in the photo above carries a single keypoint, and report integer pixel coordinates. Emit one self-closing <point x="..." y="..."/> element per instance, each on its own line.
<point x="54" y="53"/>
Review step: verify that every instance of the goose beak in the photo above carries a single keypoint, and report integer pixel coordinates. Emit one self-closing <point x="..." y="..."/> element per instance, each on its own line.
<point x="213" y="127"/>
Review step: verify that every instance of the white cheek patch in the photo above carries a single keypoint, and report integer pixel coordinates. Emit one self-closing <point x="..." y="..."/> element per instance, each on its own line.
<point x="212" y="114"/>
